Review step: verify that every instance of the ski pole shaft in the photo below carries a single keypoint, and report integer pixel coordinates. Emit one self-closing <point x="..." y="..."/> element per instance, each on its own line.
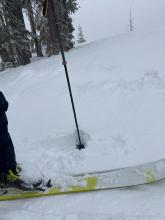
<point x="80" y="145"/>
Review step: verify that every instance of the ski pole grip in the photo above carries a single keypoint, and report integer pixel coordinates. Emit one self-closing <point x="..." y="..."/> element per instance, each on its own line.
<point x="45" y="9"/>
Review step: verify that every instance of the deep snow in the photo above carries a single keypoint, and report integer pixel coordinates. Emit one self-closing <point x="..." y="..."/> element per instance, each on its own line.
<point x="119" y="91"/>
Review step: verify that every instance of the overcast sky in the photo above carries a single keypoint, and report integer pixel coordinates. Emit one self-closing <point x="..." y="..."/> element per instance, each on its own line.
<point x="104" y="18"/>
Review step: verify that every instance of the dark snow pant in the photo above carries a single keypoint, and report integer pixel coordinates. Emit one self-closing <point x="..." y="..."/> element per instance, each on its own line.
<point x="7" y="154"/>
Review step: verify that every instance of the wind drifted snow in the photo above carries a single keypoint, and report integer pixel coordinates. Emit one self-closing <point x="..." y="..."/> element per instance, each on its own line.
<point x="119" y="91"/>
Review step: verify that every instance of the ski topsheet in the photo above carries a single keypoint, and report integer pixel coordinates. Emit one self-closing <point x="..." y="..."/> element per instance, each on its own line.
<point x="124" y="177"/>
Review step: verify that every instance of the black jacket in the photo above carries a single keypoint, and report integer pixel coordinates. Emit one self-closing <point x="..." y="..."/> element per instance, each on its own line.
<point x="7" y="154"/>
<point x="3" y="109"/>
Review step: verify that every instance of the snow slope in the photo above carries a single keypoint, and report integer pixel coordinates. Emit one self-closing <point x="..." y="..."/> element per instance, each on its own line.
<point x="119" y="90"/>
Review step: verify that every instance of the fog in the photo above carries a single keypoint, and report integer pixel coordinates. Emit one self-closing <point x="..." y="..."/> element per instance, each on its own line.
<point x="104" y="18"/>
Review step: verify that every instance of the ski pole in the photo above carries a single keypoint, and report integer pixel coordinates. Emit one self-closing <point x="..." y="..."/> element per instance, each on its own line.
<point x="80" y="145"/>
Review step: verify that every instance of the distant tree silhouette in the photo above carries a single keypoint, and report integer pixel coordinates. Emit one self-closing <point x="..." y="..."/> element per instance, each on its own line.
<point x="81" y="38"/>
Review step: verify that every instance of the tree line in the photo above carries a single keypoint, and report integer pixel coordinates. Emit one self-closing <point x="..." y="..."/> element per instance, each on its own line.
<point x="17" y="43"/>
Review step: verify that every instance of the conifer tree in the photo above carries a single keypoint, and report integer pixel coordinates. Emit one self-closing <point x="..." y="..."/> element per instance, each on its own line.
<point x="6" y="52"/>
<point x="15" y="40"/>
<point x="81" y="38"/>
<point x="15" y="29"/>
<point x="30" y="5"/>
<point x="63" y="8"/>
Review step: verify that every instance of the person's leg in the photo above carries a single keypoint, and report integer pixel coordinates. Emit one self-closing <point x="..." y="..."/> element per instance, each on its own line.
<point x="7" y="153"/>
<point x="10" y="155"/>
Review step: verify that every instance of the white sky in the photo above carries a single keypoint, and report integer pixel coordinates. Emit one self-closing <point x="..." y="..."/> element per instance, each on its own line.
<point x="104" y="18"/>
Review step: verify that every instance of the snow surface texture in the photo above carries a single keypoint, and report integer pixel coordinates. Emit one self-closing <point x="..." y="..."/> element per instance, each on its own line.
<point x="119" y="91"/>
